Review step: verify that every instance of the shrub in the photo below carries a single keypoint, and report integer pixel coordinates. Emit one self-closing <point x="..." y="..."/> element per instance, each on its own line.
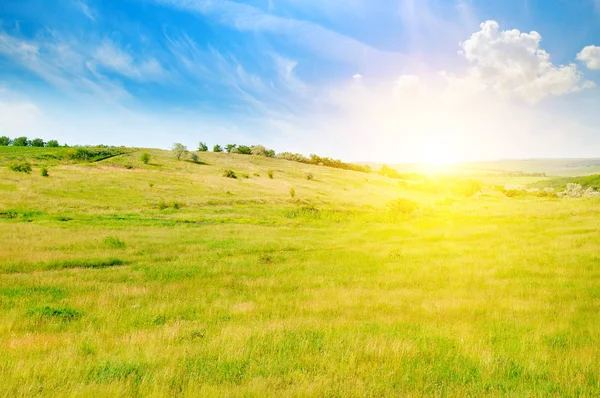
<point x="20" y="166"/>
<point x="309" y="176"/>
<point x="52" y="144"/>
<point x="44" y="172"/>
<point x="202" y="147"/>
<point x="244" y="150"/>
<point x="270" y="174"/>
<point x="162" y="204"/>
<point x="292" y="192"/>
<point x="230" y="148"/>
<point x="179" y="150"/>
<point x="195" y="157"/>
<point x="5" y="141"/>
<point x="128" y="166"/>
<point x="260" y="150"/>
<point x="145" y="158"/>
<point x="229" y="174"/>
<point x="21" y="141"/>
<point x="217" y="148"/>
<point x="38" y="142"/>
<point x="403" y="206"/>
<point x="245" y="175"/>
<point x="114" y="243"/>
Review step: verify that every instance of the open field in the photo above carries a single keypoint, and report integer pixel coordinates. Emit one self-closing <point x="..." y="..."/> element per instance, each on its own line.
<point x="168" y="278"/>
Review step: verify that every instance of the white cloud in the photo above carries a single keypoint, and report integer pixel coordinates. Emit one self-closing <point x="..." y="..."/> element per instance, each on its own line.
<point x="114" y="58"/>
<point x="60" y="63"/>
<point x="323" y="42"/>
<point x="85" y="9"/>
<point x="511" y="62"/>
<point x="590" y="55"/>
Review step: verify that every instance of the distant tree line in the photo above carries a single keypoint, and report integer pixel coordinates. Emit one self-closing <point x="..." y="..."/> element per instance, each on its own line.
<point x="24" y="141"/>
<point x="259" y="150"/>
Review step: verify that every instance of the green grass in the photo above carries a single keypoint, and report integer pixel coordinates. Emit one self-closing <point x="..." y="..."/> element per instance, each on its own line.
<point x="357" y="286"/>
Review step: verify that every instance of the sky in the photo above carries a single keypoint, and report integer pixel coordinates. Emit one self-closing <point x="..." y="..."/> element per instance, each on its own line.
<point x="362" y="80"/>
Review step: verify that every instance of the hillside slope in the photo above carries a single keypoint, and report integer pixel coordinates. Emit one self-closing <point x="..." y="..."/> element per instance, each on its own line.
<point x="168" y="279"/>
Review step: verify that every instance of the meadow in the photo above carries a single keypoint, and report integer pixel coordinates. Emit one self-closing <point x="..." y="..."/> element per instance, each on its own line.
<point x="119" y="278"/>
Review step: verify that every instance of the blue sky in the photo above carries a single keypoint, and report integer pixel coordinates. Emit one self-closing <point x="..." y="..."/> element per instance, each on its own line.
<point x="395" y="81"/>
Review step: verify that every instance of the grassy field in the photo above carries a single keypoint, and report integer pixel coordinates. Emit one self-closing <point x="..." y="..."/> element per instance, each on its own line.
<point x="169" y="279"/>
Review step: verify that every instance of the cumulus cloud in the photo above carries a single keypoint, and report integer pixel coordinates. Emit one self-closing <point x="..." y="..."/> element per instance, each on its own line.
<point x="590" y="55"/>
<point x="511" y="62"/>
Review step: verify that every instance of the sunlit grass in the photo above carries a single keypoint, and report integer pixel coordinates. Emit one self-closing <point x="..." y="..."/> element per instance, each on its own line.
<point x="244" y="290"/>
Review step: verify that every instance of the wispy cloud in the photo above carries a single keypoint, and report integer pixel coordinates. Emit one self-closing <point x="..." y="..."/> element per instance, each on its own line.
<point x="322" y="42"/>
<point x="85" y="9"/>
<point x="111" y="57"/>
<point x="60" y="63"/>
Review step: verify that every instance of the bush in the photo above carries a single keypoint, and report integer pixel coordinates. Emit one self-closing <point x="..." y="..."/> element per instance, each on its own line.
<point x="20" y="166"/>
<point x="245" y="175"/>
<point x="309" y="176"/>
<point x="229" y="174"/>
<point x="292" y="192"/>
<point x="403" y="206"/>
<point x="52" y="144"/>
<point x="44" y="172"/>
<point x="260" y="150"/>
<point x="195" y="157"/>
<point x="231" y="148"/>
<point x="21" y="141"/>
<point x="162" y="204"/>
<point x="38" y="142"/>
<point x="145" y="158"/>
<point x="202" y="147"/>
<point x="128" y="166"/>
<point x="5" y="141"/>
<point x="244" y="150"/>
<point x="179" y="150"/>
<point x="217" y="148"/>
<point x="270" y="174"/>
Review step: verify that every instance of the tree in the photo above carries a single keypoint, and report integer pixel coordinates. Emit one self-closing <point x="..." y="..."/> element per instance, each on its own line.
<point x="195" y="157"/>
<point x="145" y="158"/>
<point x="5" y="141"/>
<point x="230" y="148"/>
<point x="52" y="144"/>
<point x="21" y="141"/>
<point x="217" y="148"/>
<point x="244" y="150"/>
<point x="202" y="147"/>
<point x="38" y="142"/>
<point x="179" y="150"/>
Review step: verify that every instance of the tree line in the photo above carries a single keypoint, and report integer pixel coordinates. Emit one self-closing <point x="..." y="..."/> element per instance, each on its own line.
<point x="24" y="141"/>
<point x="260" y="150"/>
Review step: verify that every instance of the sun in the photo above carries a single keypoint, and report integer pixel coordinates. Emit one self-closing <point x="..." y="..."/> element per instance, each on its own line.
<point x="438" y="156"/>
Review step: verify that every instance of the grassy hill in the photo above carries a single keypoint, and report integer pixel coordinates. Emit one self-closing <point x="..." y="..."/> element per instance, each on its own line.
<point x="121" y="278"/>
<point x="591" y="181"/>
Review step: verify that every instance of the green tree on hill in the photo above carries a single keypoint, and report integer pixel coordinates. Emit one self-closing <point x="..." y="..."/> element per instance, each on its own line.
<point x="179" y="150"/>
<point x="5" y="141"/>
<point x="38" y="142"/>
<point x="217" y="148"/>
<point x="244" y="150"/>
<point x="21" y="141"/>
<point x="230" y="148"/>
<point x="52" y="144"/>
<point x="202" y="147"/>
<point x="145" y="158"/>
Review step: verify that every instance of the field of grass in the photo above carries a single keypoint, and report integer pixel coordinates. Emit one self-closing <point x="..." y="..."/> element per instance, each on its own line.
<point x="169" y="279"/>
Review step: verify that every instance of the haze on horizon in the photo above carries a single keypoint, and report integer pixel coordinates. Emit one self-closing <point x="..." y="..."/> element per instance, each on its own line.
<point x="403" y="81"/>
